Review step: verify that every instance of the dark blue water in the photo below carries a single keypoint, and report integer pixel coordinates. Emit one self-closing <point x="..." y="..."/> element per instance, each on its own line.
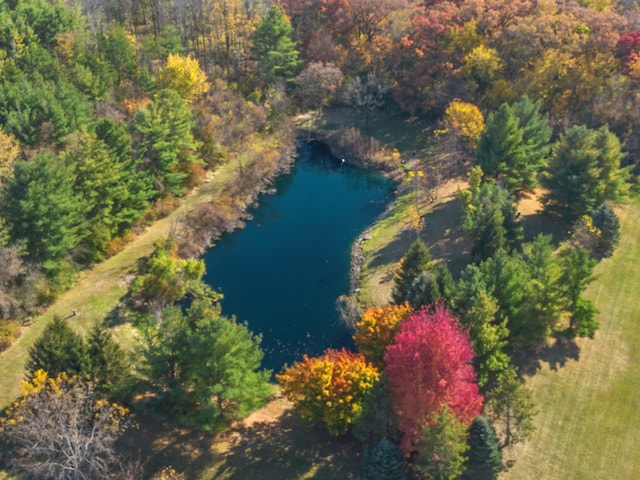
<point x="284" y="271"/>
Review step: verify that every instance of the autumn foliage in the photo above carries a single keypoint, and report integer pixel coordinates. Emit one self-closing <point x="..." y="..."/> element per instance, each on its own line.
<point x="330" y="388"/>
<point x="429" y="366"/>
<point x="376" y="329"/>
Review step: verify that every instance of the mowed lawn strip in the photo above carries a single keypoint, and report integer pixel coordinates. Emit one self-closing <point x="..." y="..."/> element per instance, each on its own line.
<point x="588" y="426"/>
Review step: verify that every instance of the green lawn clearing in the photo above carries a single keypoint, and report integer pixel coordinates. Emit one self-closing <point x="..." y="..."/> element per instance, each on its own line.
<point x="588" y="426"/>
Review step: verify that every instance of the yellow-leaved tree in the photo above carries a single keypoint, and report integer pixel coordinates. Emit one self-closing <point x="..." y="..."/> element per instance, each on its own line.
<point x="464" y="120"/>
<point x="184" y="75"/>
<point x="376" y="329"/>
<point x="330" y="388"/>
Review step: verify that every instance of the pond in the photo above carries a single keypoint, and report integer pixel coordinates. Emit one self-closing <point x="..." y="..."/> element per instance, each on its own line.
<point x="284" y="272"/>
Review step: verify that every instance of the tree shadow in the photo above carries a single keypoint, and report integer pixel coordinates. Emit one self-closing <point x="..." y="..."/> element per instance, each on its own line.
<point x="556" y="354"/>
<point x="283" y="449"/>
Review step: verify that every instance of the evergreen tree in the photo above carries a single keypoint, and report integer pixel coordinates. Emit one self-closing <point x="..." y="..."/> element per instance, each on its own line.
<point x="59" y="349"/>
<point x="415" y="261"/>
<point x="273" y="47"/>
<point x="484" y="458"/>
<point x="167" y="145"/>
<point x="109" y="363"/>
<point x="577" y="274"/>
<point x="584" y="171"/>
<point x="43" y="211"/>
<point x="204" y="366"/>
<point x="377" y="420"/>
<point x="432" y="286"/>
<point x="490" y="216"/>
<point x="510" y="405"/>
<point x="515" y="144"/>
<point x="608" y="225"/>
<point x="383" y="462"/>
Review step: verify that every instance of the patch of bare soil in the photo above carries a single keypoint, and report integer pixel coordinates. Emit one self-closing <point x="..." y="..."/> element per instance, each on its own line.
<point x="271" y="444"/>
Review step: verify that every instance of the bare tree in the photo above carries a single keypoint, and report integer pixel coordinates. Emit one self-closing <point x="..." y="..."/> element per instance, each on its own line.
<point x="59" y="430"/>
<point x="367" y="93"/>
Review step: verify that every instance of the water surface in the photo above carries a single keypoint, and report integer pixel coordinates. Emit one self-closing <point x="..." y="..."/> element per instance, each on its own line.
<point x="284" y="271"/>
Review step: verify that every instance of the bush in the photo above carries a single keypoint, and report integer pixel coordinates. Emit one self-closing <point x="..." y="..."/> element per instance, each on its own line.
<point x="9" y="333"/>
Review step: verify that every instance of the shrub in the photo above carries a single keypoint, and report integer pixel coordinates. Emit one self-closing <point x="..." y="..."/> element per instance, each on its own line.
<point x="9" y="333"/>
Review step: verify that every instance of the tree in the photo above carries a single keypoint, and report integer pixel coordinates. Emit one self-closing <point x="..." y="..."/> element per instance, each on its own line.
<point x="183" y="74"/>
<point x="627" y="50"/>
<point x="490" y="216"/>
<point x="376" y="329"/>
<point x="584" y="171"/>
<point x="166" y="145"/>
<point x="273" y="47"/>
<point x="9" y="150"/>
<point x="367" y="93"/>
<point x="489" y="335"/>
<point x="43" y="211"/>
<point x="317" y="83"/>
<point x="515" y="144"/>
<point x="429" y="365"/>
<point x="59" y="350"/>
<point x="484" y="457"/>
<point x="377" y="421"/>
<point x="415" y="261"/>
<point x="330" y="388"/>
<point x="510" y="405"/>
<point x="464" y="120"/>
<point x="205" y="367"/>
<point x="577" y="274"/>
<point x="482" y="66"/>
<point x="384" y="461"/>
<point x="431" y="286"/>
<point x="59" y="430"/>
<point x="608" y="225"/>
<point x="442" y="446"/>
<point x="110" y="365"/>
<point x="166" y="278"/>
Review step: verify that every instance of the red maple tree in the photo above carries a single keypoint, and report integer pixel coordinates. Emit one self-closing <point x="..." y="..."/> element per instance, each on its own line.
<point x="429" y="366"/>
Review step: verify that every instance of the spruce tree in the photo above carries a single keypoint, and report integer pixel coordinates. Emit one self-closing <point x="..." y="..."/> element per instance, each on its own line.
<point x="109" y="363"/>
<point x="484" y="458"/>
<point x="383" y="462"/>
<point x="606" y="221"/>
<point x="415" y="261"/>
<point x="59" y="349"/>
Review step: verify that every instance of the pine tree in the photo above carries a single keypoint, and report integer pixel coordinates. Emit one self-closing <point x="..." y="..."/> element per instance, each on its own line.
<point x="109" y="363"/>
<point x="273" y="47"/>
<point x="584" y="171"/>
<point x="484" y="457"/>
<point x="515" y="144"/>
<point x="383" y="462"/>
<point x="59" y="349"/>
<point x="415" y="261"/>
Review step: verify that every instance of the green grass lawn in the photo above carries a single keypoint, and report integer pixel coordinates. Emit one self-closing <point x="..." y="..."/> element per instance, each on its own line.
<point x="589" y="421"/>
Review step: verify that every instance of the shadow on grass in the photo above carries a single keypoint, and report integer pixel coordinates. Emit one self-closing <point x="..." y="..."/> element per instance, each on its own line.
<point x="556" y="355"/>
<point x="285" y="449"/>
<point x="290" y="449"/>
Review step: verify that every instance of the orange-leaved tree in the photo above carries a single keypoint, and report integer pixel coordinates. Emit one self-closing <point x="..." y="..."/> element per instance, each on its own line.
<point x="330" y="388"/>
<point x="376" y="329"/>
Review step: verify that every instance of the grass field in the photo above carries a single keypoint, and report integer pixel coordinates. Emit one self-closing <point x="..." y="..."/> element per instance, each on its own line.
<point x="589" y="421"/>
